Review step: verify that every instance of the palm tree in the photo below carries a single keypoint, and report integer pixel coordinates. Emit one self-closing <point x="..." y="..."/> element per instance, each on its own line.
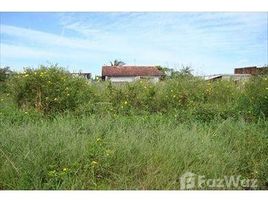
<point x="117" y="63"/>
<point x="186" y="70"/>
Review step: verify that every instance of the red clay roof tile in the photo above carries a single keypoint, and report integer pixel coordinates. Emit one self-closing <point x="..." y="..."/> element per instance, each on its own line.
<point x="131" y="71"/>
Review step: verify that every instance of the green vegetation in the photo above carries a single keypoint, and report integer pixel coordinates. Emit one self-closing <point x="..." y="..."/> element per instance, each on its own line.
<point x="49" y="90"/>
<point x="63" y="132"/>
<point x="117" y="63"/>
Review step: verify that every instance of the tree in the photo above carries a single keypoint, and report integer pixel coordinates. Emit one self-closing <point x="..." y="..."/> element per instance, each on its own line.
<point x="167" y="71"/>
<point x="117" y="63"/>
<point x="186" y="70"/>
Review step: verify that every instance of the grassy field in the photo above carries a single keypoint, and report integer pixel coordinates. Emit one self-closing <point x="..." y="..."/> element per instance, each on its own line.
<point x="129" y="152"/>
<point x="137" y="136"/>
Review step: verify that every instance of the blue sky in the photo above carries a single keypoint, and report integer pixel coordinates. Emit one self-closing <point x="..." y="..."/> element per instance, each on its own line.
<point x="211" y="43"/>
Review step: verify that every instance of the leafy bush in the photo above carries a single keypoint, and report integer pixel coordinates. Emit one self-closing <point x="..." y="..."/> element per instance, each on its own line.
<point x="183" y="96"/>
<point x="49" y="89"/>
<point x="181" y="93"/>
<point x="52" y="89"/>
<point x="209" y="112"/>
<point x="10" y="113"/>
<point x="222" y="92"/>
<point x="255" y="98"/>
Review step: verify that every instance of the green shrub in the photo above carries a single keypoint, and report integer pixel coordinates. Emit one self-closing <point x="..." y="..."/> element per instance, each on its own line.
<point x="52" y="89"/>
<point x="209" y="112"/>
<point x="10" y="113"/>
<point x="254" y="101"/>
<point x="49" y="89"/>
<point x="141" y="96"/>
<point x="205" y="112"/>
<point x="222" y="92"/>
<point x="180" y="93"/>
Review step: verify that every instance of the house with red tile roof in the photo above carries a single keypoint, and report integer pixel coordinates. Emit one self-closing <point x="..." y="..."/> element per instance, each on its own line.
<point x="131" y="73"/>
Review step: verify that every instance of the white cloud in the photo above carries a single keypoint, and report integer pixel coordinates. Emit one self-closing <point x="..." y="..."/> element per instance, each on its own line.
<point x="44" y="38"/>
<point x="210" y="41"/>
<point x="14" y="51"/>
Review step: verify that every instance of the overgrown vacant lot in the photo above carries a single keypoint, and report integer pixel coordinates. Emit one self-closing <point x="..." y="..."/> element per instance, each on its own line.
<point x="129" y="152"/>
<point x="61" y="132"/>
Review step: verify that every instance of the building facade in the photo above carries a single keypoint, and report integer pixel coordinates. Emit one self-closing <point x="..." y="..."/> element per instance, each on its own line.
<point x="121" y="74"/>
<point x="254" y="70"/>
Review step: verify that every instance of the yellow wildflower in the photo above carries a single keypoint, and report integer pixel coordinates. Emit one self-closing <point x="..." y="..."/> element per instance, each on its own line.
<point x="108" y="152"/>
<point x="64" y="169"/>
<point x="125" y="102"/>
<point x="68" y="94"/>
<point x="94" y="162"/>
<point x="55" y="99"/>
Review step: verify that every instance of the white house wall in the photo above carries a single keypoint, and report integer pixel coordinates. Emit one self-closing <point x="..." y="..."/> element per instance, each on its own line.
<point x="122" y="79"/>
<point x="155" y="79"/>
<point x="131" y="79"/>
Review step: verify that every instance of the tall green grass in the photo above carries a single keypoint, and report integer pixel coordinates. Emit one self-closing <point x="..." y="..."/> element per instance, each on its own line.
<point x="61" y="132"/>
<point x="136" y="152"/>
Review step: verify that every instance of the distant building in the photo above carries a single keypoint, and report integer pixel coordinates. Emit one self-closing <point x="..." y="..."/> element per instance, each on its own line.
<point x="84" y="75"/>
<point x="240" y="74"/>
<point x="119" y="74"/>
<point x="234" y="77"/>
<point x="254" y="70"/>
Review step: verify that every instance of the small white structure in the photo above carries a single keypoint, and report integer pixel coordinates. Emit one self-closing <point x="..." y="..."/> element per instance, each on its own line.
<point x="84" y="75"/>
<point x="234" y="77"/>
<point x="121" y="74"/>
